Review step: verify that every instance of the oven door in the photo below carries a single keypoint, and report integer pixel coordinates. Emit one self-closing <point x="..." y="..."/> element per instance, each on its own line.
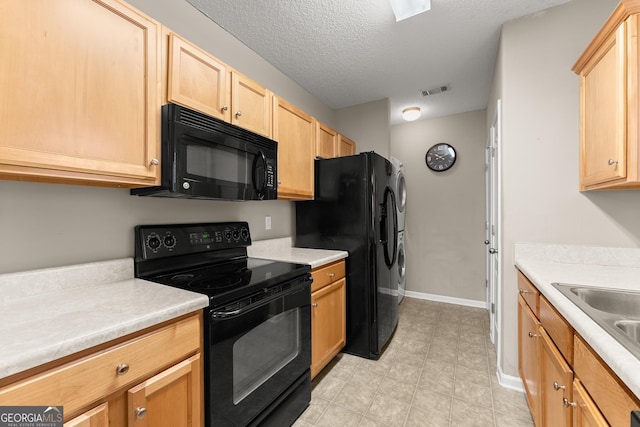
<point x="256" y="352"/>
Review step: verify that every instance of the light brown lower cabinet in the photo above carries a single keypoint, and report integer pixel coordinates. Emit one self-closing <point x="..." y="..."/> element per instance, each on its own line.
<point x="556" y="384"/>
<point x="328" y="314"/>
<point x="151" y="378"/>
<point x="529" y="356"/>
<point x="566" y="382"/>
<point x="585" y="411"/>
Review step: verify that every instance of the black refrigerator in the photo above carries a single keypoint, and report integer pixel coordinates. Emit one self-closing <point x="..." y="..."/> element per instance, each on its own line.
<point x="354" y="210"/>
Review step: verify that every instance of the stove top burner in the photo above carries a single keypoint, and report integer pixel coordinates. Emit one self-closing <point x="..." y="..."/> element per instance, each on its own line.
<point x="221" y="281"/>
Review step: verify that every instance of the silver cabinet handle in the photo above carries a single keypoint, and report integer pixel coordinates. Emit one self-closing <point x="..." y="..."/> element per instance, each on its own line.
<point x="612" y="162"/>
<point x="314" y="305"/>
<point x="523" y="291"/>
<point x="486" y="242"/>
<point x="141" y="412"/>
<point x="557" y="386"/>
<point x="155" y="162"/>
<point x="532" y="335"/>
<point x="493" y="251"/>
<point x="122" y="369"/>
<point x="225" y="108"/>
<point x="238" y="113"/>
<point x="332" y="275"/>
<point x="567" y="403"/>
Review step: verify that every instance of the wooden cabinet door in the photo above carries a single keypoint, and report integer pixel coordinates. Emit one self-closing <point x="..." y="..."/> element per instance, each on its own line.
<point x="295" y="132"/>
<point x="251" y="105"/>
<point x="528" y="357"/>
<point x="585" y="411"/>
<point x="79" y="93"/>
<point x="326" y="141"/>
<point x="556" y="384"/>
<point x="603" y="113"/>
<point x="346" y="147"/>
<point x="171" y="398"/>
<point x="196" y="79"/>
<point x="328" y="324"/>
<point x="96" y="417"/>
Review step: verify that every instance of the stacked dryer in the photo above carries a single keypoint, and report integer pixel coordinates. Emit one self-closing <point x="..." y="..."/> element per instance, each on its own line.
<point x="401" y="201"/>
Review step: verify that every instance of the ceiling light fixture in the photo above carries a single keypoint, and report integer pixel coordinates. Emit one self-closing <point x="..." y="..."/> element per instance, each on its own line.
<point x="411" y="113"/>
<point x="404" y="9"/>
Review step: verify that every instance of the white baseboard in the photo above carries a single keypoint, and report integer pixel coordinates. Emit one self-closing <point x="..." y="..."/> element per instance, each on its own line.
<point x="509" y="381"/>
<point x="450" y="300"/>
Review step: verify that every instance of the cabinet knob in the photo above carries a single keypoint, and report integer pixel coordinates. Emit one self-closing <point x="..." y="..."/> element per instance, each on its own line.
<point x="332" y="275"/>
<point x="612" y="162"/>
<point x="532" y="335"/>
<point x="155" y="162"/>
<point x="122" y="369"/>
<point x="279" y="182"/>
<point x="567" y="403"/>
<point x="493" y="251"/>
<point x="238" y="113"/>
<point x="486" y="242"/>
<point x="141" y="412"/>
<point x="225" y="108"/>
<point x="557" y="386"/>
<point x="523" y="291"/>
<point x="314" y="305"/>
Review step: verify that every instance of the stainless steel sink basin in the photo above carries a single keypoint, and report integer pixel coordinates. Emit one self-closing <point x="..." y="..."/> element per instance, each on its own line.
<point x="616" y="311"/>
<point x="630" y="327"/>
<point x="618" y="302"/>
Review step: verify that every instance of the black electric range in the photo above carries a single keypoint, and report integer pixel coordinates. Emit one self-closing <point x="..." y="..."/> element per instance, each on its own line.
<point x="257" y="328"/>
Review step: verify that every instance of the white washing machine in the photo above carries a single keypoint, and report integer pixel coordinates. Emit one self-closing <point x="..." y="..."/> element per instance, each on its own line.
<point x="401" y="267"/>
<point x="400" y="190"/>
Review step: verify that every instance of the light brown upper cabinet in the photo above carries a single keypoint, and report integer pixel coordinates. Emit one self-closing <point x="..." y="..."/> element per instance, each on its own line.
<point x="346" y="147"/>
<point x="326" y="141"/>
<point x="609" y="104"/>
<point x="251" y="105"/>
<point x="79" y="93"/>
<point x="295" y="132"/>
<point x="197" y="80"/>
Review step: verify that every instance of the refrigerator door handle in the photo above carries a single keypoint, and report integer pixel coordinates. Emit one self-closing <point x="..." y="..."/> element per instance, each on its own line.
<point x="389" y="256"/>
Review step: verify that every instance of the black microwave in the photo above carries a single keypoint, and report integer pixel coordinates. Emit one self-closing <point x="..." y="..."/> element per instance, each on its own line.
<point x="207" y="158"/>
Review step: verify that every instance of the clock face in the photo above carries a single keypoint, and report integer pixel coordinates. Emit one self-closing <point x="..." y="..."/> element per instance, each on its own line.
<point x="440" y="157"/>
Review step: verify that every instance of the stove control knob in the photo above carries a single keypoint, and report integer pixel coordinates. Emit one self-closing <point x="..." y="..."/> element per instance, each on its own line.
<point x="244" y="233"/>
<point x="236" y="235"/>
<point x="227" y="234"/>
<point x="169" y="241"/>
<point x="154" y="242"/>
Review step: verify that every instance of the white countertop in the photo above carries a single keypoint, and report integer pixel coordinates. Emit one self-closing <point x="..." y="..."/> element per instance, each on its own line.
<point x="51" y="313"/>
<point x="586" y="266"/>
<point x="281" y="250"/>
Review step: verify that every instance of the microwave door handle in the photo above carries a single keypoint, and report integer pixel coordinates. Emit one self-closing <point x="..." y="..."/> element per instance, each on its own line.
<point x="260" y="182"/>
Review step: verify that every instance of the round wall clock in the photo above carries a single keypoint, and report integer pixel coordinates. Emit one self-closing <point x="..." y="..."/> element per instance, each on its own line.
<point x="440" y="157"/>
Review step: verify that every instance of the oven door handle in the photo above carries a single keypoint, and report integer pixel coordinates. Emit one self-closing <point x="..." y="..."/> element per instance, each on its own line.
<point x="222" y="315"/>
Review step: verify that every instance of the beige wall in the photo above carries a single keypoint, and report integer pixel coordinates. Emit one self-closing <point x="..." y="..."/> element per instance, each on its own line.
<point x="445" y="210"/>
<point x="368" y="125"/>
<point x="46" y="225"/>
<point x="541" y="201"/>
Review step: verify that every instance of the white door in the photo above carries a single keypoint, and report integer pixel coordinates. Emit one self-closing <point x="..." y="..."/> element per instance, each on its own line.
<point x="492" y="225"/>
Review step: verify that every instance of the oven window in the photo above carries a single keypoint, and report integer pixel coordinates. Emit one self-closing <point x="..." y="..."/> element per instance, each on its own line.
<point x="263" y="351"/>
<point x="218" y="162"/>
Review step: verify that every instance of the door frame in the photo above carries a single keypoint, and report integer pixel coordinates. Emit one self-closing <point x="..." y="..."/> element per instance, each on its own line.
<point x="493" y="226"/>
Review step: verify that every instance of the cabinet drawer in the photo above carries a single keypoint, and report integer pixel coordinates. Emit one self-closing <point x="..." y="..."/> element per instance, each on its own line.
<point x="322" y="276"/>
<point x="558" y="328"/>
<point x="79" y="383"/>
<point x="529" y="292"/>
<point x="612" y="397"/>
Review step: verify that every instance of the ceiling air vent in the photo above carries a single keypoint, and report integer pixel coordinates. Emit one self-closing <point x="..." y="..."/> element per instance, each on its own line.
<point x="439" y="89"/>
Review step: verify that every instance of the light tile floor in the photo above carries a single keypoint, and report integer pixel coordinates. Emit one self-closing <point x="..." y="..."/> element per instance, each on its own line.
<point x="438" y="370"/>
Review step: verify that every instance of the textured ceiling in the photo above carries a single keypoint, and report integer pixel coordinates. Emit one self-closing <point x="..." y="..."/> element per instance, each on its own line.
<point x="348" y="52"/>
